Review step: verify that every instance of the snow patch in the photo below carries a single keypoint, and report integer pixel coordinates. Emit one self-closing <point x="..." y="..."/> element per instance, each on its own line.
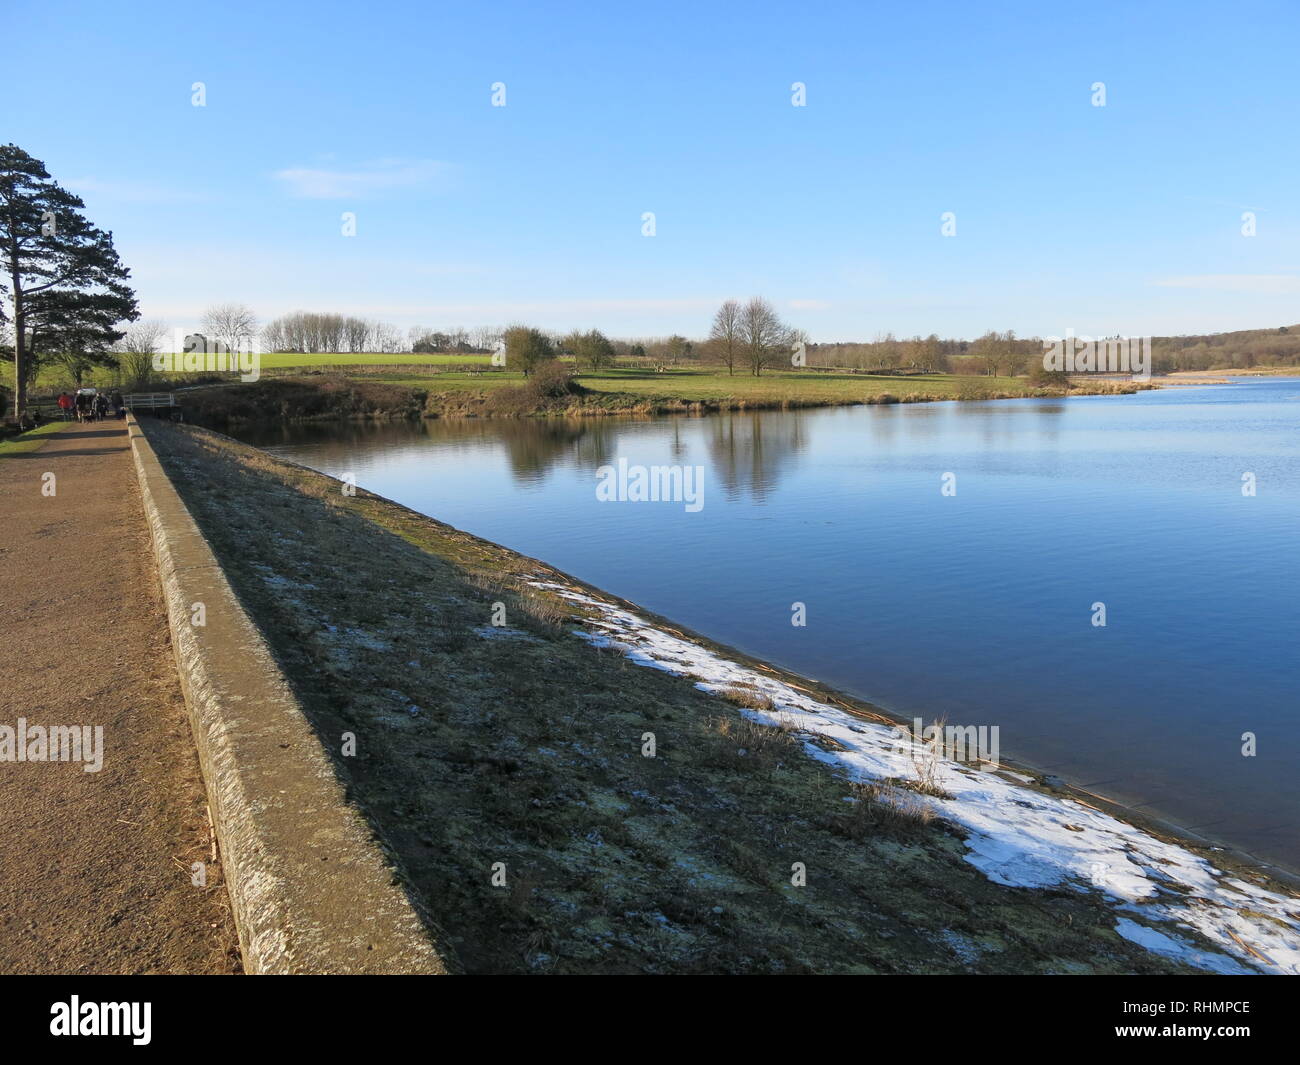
<point x="1016" y="836"/>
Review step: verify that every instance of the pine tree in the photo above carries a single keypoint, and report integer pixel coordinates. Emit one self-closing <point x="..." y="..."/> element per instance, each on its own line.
<point x="62" y="274"/>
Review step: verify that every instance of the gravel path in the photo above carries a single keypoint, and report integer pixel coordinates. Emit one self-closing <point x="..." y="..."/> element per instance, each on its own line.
<point x="96" y="867"/>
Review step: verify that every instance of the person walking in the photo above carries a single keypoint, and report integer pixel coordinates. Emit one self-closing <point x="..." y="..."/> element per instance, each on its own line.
<point x="118" y="404"/>
<point x="65" y="405"/>
<point x="101" y="406"/>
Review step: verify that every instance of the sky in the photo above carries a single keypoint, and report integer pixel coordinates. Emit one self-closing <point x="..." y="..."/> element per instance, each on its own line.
<point x="1125" y="218"/>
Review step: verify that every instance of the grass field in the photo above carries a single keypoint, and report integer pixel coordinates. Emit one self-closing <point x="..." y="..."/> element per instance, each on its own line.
<point x="29" y="441"/>
<point x="402" y="392"/>
<point x="438" y="385"/>
<point x="709" y="384"/>
<point x="55" y="376"/>
<point x="282" y="360"/>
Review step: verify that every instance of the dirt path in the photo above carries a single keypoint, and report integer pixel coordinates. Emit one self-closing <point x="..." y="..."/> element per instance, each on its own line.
<point x="95" y="867"/>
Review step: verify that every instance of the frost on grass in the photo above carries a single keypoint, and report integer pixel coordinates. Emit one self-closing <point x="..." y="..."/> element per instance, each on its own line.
<point x="1015" y="835"/>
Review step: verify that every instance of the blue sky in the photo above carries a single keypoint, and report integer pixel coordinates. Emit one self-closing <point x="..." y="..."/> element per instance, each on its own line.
<point x="1118" y="219"/>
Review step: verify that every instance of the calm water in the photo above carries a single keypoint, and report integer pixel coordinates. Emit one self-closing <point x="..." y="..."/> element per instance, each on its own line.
<point x="975" y="607"/>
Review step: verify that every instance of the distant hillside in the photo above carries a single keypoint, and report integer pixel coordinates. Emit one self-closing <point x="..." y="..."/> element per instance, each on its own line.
<point x="1228" y="351"/>
<point x="1010" y="355"/>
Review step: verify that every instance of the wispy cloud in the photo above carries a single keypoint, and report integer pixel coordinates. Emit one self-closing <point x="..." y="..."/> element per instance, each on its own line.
<point x="1264" y="283"/>
<point x="382" y="175"/>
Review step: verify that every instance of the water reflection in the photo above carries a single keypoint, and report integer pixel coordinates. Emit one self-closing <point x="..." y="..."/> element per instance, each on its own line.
<point x="975" y="607"/>
<point x="749" y="452"/>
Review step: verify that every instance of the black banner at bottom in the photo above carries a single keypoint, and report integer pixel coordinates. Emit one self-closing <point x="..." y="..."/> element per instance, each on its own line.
<point x="211" y="1014"/>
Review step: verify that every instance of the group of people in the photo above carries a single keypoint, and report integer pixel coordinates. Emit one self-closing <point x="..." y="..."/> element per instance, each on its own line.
<point x="89" y="405"/>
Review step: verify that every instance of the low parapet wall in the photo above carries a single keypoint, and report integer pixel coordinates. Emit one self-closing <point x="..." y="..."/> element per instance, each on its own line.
<point x="311" y="889"/>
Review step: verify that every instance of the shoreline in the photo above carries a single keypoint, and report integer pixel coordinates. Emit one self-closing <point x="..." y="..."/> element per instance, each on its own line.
<point x="299" y="400"/>
<point x="1163" y="824"/>
<point x="820" y="711"/>
<point x="1051" y="783"/>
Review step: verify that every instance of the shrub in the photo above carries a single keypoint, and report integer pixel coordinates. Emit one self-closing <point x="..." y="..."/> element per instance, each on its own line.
<point x="553" y="380"/>
<point x="748" y="697"/>
<point x="747" y="744"/>
<point x="1040" y="377"/>
<point x="592" y="349"/>
<point x="527" y="349"/>
<point x="550" y="386"/>
<point x="883" y="809"/>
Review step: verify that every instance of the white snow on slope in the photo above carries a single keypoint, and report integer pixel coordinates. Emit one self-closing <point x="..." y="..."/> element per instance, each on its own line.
<point x="1016" y="836"/>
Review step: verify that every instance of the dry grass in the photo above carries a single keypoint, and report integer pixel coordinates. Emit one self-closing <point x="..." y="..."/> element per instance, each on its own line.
<point x="927" y="758"/>
<point x="541" y="612"/>
<point x="747" y="696"/>
<point x="877" y="807"/>
<point x="748" y="744"/>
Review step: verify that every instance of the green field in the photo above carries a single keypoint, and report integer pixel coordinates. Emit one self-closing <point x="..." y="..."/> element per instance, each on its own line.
<point x="615" y="390"/>
<point x="56" y="376"/>
<point x="713" y="384"/>
<point x="283" y="360"/>
<point x="29" y="441"/>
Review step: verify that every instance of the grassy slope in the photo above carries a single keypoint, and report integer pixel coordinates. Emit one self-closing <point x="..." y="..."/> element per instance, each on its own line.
<point x="30" y="441"/>
<point x="614" y="390"/>
<point x="386" y="393"/>
<point x="526" y="749"/>
<point x="55" y="376"/>
<point x="804" y="386"/>
<point x="709" y="384"/>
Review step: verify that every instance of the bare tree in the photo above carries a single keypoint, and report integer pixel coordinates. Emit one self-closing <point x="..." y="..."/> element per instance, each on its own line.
<point x="275" y="336"/>
<point x="1011" y="361"/>
<point x="764" y="338"/>
<point x="932" y="357"/>
<point x="136" y="351"/>
<point x="387" y="338"/>
<point x="725" y="334"/>
<point x="889" y="352"/>
<point x="233" y="324"/>
<point x="485" y="337"/>
<point x="358" y="332"/>
<point x="988" y="352"/>
<point x="913" y="352"/>
<point x="314" y="332"/>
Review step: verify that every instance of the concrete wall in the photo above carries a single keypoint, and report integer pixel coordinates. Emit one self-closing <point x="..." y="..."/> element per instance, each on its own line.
<point x="311" y="889"/>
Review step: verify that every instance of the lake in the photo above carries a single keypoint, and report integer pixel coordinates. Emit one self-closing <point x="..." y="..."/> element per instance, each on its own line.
<point x="975" y="606"/>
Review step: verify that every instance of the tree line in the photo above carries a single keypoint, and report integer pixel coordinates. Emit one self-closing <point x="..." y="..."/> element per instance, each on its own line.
<point x="65" y="298"/>
<point x="1240" y="350"/>
<point x="306" y="332"/>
